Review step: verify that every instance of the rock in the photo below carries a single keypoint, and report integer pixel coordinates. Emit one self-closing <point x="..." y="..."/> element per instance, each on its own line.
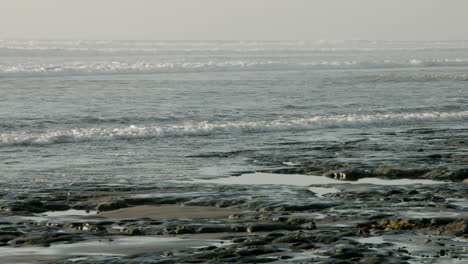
<point x="325" y="239"/>
<point x="258" y="251"/>
<point x="458" y="228"/>
<point x="11" y="233"/>
<point x="29" y="239"/>
<point x="213" y="229"/>
<point x="87" y="227"/>
<point x="33" y="203"/>
<point x="271" y="227"/>
<point x="6" y="238"/>
<point x="398" y="173"/>
<point x="133" y="231"/>
<point x="300" y="207"/>
<point x="56" y="207"/>
<point x="446" y="174"/>
<point x="304" y="246"/>
<point x="351" y="255"/>
<point x="26" y="206"/>
<point x="294" y="220"/>
<point x="294" y="237"/>
<point x="184" y="230"/>
<point x="256" y="241"/>
<point x="92" y="227"/>
<point x="64" y="237"/>
<point x="272" y="236"/>
<point x="347" y="175"/>
<point x="109" y="206"/>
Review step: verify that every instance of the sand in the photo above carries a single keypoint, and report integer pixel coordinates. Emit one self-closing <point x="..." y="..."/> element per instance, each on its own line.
<point x="169" y="212"/>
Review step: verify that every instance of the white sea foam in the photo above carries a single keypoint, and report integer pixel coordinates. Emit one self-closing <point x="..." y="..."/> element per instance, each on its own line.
<point x="69" y="58"/>
<point x="152" y="66"/>
<point x="77" y="47"/>
<point x="210" y="128"/>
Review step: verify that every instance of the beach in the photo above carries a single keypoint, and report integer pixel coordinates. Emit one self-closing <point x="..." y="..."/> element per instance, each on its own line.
<point x="233" y="152"/>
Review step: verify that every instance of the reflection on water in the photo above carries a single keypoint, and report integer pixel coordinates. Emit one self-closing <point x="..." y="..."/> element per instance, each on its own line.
<point x="304" y="180"/>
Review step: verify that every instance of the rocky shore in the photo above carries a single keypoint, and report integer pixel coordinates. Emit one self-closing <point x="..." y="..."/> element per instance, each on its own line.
<point x="210" y="223"/>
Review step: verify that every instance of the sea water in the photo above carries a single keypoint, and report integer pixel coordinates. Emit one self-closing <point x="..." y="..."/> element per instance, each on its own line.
<point x="131" y="112"/>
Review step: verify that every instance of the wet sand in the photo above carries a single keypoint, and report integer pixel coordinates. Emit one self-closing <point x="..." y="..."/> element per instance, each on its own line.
<point x="170" y="211"/>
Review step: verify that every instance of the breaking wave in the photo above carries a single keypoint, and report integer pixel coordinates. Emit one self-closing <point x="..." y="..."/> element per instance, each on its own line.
<point x="130" y="48"/>
<point x="149" y="67"/>
<point x="99" y="134"/>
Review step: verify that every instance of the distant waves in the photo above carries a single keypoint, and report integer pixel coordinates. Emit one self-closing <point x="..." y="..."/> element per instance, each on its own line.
<point x="149" y="67"/>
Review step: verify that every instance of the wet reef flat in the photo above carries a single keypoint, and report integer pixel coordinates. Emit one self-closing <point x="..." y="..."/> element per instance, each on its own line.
<point x="210" y="223"/>
<point x="362" y="200"/>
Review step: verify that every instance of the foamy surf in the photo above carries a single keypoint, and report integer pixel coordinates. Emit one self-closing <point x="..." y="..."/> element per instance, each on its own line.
<point x="235" y="65"/>
<point x="206" y="128"/>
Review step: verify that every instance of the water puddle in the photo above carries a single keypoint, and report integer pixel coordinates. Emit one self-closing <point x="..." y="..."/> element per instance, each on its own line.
<point x="463" y="203"/>
<point x="321" y="191"/>
<point x="59" y="215"/>
<point x="371" y="240"/>
<point x="429" y="214"/>
<point x="378" y="181"/>
<point x="305" y="180"/>
<point x="272" y="178"/>
<point x="420" y="247"/>
<point x="71" y="212"/>
<point x="121" y="246"/>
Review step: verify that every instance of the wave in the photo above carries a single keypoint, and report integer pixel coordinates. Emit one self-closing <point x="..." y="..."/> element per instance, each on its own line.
<point x="99" y="134"/>
<point x="89" y="47"/>
<point x="148" y="67"/>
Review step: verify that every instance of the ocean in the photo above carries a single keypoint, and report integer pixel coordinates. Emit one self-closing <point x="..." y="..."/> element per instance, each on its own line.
<point x="132" y="112"/>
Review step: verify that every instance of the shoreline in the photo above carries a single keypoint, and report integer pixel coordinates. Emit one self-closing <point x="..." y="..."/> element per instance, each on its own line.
<point x="241" y="223"/>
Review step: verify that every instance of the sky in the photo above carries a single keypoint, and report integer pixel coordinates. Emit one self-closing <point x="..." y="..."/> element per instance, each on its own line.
<point x="234" y="19"/>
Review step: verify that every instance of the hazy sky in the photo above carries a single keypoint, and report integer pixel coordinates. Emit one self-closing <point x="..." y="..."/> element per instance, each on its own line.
<point x="235" y="19"/>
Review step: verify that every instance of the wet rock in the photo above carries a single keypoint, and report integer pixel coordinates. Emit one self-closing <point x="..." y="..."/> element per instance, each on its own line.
<point x="294" y="220"/>
<point x="258" y="251"/>
<point x="29" y="239"/>
<point x="134" y="231"/>
<point x="64" y="237"/>
<point x="56" y="206"/>
<point x="275" y="235"/>
<point x="213" y="229"/>
<point x="236" y="216"/>
<point x="458" y="228"/>
<point x="92" y="227"/>
<point x="156" y="200"/>
<point x="256" y="241"/>
<point x="12" y="232"/>
<point x="87" y="227"/>
<point x="304" y="246"/>
<point x="26" y="206"/>
<point x="239" y="239"/>
<point x="347" y="175"/>
<point x="271" y="227"/>
<point x="447" y="175"/>
<point x="184" y="230"/>
<point x="349" y="255"/>
<point x="382" y="260"/>
<point x="300" y="207"/>
<point x="109" y="206"/>
<point x="293" y="237"/>
<point x="6" y="238"/>
<point x="389" y="172"/>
